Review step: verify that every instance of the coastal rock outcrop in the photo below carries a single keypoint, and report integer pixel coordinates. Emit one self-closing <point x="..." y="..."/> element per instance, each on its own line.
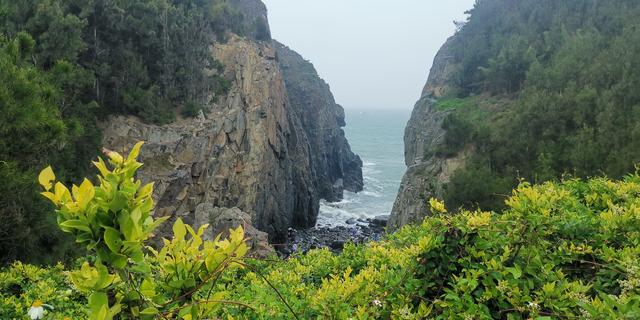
<point x="427" y="173"/>
<point x="335" y="167"/>
<point x="248" y="151"/>
<point x="272" y="147"/>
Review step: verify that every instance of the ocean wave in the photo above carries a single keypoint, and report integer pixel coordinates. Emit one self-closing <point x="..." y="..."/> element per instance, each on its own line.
<point x="372" y="194"/>
<point x="369" y="171"/>
<point x="343" y="202"/>
<point x="376" y="198"/>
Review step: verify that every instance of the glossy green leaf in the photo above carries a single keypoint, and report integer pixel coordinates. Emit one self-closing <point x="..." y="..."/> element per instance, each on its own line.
<point x="112" y="239"/>
<point x="99" y="306"/>
<point x="77" y="225"/>
<point x="179" y="230"/>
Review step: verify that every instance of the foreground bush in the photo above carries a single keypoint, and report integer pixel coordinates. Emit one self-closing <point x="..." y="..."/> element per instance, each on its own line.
<point x="559" y="251"/>
<point x="122" y="277"/>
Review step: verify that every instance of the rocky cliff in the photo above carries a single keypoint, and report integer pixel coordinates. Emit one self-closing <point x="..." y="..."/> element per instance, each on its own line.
<point x="335" y="167"/>
<point x="427" y="173"/>
<point x="259" y="149"/>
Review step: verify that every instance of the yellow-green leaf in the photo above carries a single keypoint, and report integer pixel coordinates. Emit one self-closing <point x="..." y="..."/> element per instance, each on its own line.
<point x="237" y="235"/>
<point x="75" y="224"/>
<point x="98" y="305"/>
<point x="148" y="288"/>
<point x="104" y="277"/>
<point x="50" y="196"/>
<point x="46" y="177"/>
<point x="150" y="311"/>
<point x="113" y="240"/>
<point x="86" y="192"/>
<point x="102" y="167"/>
<point x="135" y="151"/>
<point x="145" y="191"/>
<point x="62" y="193"/>
<point x="179" y="230"/>
<point x="115" y="157"/>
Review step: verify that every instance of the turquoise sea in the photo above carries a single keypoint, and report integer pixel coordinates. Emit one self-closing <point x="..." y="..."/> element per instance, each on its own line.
<point x="377" y="136"/>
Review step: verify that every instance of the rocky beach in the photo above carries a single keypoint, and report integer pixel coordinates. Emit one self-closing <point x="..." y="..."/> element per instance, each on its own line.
<point x="333" y="238"/>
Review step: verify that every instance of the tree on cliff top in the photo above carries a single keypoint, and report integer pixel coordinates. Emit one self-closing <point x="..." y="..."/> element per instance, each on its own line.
<point x="566" y="73"/>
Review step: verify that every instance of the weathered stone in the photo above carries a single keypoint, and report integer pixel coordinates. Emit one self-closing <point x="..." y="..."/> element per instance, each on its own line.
<point x="427" y="173"/>
<point x="381" y="220"/>
<point x="254" y="149"/>
<point x="228" y="126"/>
<point x="337" y="245"/>
<point x="335" y="167"/>
<point x="333" y="238"/>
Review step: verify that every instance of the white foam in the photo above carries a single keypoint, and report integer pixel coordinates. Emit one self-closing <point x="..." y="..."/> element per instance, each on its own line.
<point x="379" y="143"/>
<point x="372" y="194"/>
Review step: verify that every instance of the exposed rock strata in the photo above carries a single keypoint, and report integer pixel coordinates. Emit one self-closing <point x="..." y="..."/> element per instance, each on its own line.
<point x="427" y="174"/>
<point x="335" y="167"/>
<point x="250" y="151"/>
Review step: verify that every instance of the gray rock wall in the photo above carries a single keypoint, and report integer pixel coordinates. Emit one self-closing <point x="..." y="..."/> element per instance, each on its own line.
<point x="254" y="149"/>
<point x="335" y="167"/>
<point x="427" y="174"/>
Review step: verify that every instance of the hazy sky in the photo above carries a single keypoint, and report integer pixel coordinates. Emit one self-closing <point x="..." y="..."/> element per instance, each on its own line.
<point x="375" y="54"/>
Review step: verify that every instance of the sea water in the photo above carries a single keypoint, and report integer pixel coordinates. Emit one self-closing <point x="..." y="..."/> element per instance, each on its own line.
<point x="377" y="136"/>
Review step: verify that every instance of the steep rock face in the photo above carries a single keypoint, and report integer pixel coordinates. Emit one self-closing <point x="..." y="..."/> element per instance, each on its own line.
<point x="335" y="167"/>
<point x="426" y="173"/>
<point x="438" y="81"/>
<point x="249" y="151"/>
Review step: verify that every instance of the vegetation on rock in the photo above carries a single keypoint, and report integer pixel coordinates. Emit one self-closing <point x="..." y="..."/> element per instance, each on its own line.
<point x="556" y="82"/>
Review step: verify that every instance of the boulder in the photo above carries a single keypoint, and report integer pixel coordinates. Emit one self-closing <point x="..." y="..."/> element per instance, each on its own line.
<point x="381" y="220"/>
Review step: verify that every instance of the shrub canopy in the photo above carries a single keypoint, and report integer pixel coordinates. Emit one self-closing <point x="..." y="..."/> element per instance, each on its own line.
<point x="559" y="250"/>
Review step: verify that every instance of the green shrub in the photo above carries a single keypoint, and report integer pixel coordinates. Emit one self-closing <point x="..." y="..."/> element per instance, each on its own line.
<point x="261" y="30"/>
<point x="454" y="103"/>
<point x="565" y="72"/>
<point x="559" y="250"/>
<point x="122" y="277"/>
<point x="568" y="250"/>
<point x="457" y="135"/>
<point x="36" y="116"/>
<point x="192" y="109"/>
<point x="222" y="87"/>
